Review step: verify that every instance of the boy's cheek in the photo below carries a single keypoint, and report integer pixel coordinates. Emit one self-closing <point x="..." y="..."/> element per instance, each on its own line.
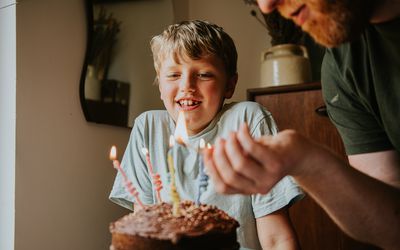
<point x="163" y="91"/>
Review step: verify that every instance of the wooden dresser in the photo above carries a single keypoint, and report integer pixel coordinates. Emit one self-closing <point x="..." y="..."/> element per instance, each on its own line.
<point x="301" y="107"/>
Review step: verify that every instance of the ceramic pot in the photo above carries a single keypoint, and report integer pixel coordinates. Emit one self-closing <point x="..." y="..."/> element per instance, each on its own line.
<point x="92" y="84"/>
<point x="285" y="64"/>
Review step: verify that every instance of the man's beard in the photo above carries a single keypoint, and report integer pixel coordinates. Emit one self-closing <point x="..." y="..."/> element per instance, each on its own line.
<point x="336" y="22"/>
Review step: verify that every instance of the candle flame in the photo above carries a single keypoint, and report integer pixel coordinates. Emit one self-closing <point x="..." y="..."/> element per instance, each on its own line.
<point x="145" y="151"/>
<point x="113" y="153"/>
<point x="181" y="135"/>
<point x="171" y="141"/>
<point x="202" y="143"/>
<point x="209" y="146"/>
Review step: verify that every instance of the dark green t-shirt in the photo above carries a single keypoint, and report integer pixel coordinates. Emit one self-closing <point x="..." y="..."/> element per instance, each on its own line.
<point x="361" y="88"/>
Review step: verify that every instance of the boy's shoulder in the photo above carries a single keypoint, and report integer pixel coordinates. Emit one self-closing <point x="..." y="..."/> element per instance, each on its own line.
<point x="246" y="108"/>
<point x="239" y="112"/>
<point x="233" y="115"/>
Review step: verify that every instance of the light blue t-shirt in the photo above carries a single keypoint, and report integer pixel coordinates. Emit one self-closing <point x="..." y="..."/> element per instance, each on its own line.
<point x="152" y="130"/>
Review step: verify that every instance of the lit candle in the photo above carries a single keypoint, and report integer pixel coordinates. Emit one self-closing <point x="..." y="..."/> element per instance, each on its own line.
<point x="202" y="178"/>
<point x="173" y="193"/>
<point x="128" y="184"/>
<point x="181" y="135"/>
<point x="155" y="177"/>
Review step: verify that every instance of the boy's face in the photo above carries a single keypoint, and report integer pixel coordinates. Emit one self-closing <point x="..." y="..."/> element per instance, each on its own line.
<point x="197" y="87"/>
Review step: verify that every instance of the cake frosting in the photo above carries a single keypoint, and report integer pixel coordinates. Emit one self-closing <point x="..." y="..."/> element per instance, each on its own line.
<point x="155" y="227"/>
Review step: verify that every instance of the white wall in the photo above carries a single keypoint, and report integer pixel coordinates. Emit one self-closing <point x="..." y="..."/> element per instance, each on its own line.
<point x="250" y="37"/>
<point x="7" y="123"/>
<point x="63" y="176"/>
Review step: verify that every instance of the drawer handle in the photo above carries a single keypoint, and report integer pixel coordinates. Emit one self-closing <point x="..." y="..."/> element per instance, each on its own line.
<point x="321" y="111"/>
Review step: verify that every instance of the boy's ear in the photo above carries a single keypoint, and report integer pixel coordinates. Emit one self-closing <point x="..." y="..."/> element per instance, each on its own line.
<point x="159" y="87"/>
<point x="230" y="87"/>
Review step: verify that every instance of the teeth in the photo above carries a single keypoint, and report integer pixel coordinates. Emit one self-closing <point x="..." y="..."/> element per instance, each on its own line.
<point x="188" y="102"/>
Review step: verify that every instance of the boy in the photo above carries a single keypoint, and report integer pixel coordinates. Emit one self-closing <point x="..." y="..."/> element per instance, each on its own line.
<point x="195" y="63"/>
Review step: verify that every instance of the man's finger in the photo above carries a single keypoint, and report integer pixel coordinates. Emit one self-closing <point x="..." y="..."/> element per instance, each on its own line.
<point x="262" y="153"/>
<point x="219" y="185"/>
<point x="227" y="172"/>
<point x="241" y="161"/>
<point x="259" y="151"/>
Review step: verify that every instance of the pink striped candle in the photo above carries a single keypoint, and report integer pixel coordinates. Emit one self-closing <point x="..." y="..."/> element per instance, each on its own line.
<point x="155" y="177"/>
<point x="128" y="184"/>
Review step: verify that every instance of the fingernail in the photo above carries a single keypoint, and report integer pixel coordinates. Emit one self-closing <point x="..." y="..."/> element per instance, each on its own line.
<point x="219" y="141"/>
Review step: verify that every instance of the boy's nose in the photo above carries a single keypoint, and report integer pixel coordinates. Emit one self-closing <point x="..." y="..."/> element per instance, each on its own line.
<point x="266" y="6"/>
<point x="187" y="84"/>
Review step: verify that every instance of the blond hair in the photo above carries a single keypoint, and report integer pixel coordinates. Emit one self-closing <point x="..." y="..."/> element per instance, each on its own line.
<point x="194" y="39"/>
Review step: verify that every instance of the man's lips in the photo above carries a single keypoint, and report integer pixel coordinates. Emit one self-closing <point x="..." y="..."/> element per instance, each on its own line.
<point x="300" y="15"/>
<point x="297" y="11"/>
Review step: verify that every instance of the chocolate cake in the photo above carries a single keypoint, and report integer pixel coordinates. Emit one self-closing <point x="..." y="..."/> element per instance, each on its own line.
<point x="155" y="227"/>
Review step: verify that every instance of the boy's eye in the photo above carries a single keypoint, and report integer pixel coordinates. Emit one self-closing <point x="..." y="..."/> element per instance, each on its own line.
<point x="205" y="76"/>
<point x="173" y="76"/>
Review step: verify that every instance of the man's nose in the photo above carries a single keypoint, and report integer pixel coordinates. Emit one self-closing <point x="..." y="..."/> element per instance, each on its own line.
<point x="266" y="6"/>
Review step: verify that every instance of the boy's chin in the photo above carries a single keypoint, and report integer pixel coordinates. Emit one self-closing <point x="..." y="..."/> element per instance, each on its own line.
<point x="197" y="128"/>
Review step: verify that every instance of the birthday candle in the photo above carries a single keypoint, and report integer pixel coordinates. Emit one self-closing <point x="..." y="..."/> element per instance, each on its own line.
<point x="203" y="178"/>
<point x="155" y="177"/>
<point x="169" y="157"/>
<point x="173" y="193"/>
<point x="181" y="134"/>
<point x="128" y="184"/>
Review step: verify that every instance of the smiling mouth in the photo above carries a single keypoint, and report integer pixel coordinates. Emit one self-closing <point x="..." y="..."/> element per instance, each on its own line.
<point x="297" y="12"/>
<point x="184" y="103"/>
<point x="300" y="15"/>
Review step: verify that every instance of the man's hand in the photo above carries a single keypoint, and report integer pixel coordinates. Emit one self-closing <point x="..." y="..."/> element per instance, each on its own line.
<point x="241" y="164"/>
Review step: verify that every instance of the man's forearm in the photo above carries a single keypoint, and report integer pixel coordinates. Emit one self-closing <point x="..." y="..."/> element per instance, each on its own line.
<point x="364" y="208"/>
